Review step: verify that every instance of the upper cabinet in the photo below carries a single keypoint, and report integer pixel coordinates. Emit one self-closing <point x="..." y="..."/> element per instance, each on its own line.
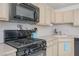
<point x="42" y="14"/>
<point x="68" y="16"/>
<point x="4" y="12"/>
<point x="52" y="15"/>
<point x="59" y="17"/>
<point x="64" y="16"/>
<point x="46" y="15"/>
<point x="49" y="15"/>
<point x="76" y="17"/>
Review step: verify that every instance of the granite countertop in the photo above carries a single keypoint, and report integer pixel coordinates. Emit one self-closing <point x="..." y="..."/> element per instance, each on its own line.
<point x="6" y="49"/>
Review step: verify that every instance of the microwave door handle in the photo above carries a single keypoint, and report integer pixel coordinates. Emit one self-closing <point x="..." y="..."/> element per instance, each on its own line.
<point x="36" y="15"/>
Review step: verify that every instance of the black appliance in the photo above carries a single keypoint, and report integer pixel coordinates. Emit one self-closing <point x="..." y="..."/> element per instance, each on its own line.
<point x="26" y="12"/>
<point x="24" y="43"/>
<point x="76" y="46"/>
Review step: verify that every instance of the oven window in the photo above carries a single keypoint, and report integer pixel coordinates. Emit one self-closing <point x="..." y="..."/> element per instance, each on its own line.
<point x="21" y="11"/>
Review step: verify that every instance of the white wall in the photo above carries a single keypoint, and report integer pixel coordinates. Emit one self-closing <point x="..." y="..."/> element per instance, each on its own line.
<point x="42" y="31"/>
<point x="67" y="29"/>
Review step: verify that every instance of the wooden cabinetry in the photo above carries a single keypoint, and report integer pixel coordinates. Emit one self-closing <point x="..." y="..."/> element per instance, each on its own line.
<point x="66" y="47"/>
<point x="68" y="16"/>
<point x="42" y="14"/>
<point x="54" y="48"/>
<point x="76" y="17"/>
<point x="46" y="15"/>
<point x="59" y="17"/>
<point x="52" y="15"/>
<point x="51" y="47"/>
<point x="64" y="16"/>
<point x="60" y="46"/>
<point x="4" y="11"/>
<point x="49" y="51"/>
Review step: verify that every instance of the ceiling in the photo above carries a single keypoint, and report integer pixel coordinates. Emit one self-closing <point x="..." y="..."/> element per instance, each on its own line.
<point x="61" y="5"/>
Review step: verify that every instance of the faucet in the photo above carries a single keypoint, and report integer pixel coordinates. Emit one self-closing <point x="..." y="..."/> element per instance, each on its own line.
<point x="55" y="31"/>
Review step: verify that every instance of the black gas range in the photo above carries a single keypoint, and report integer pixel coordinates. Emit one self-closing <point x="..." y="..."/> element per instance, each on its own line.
<point x="24" y="43"/>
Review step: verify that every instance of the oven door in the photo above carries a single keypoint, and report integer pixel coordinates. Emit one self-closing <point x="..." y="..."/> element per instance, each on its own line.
<point x="39" y="53"/>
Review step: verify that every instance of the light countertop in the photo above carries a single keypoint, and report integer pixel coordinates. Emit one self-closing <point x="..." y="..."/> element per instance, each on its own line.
<point x="48" y="37"/>
<point x="6" y="49"/>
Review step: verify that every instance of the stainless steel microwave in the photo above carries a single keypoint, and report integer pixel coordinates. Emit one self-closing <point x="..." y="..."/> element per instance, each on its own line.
<point x="24" y="12"/>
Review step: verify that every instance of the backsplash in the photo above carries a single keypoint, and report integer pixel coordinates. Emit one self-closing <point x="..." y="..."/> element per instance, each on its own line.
<point x="67" y="29"/>
<point x="42" y="31"/>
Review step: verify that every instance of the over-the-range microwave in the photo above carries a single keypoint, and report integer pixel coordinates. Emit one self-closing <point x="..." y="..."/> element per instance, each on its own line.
<point x="24" y="12"/>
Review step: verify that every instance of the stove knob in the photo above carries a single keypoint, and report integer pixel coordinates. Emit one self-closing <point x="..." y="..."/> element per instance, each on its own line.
<point x="31" y="50"/>
<point x="41" y="45"/>
<point x="26" y="51"/>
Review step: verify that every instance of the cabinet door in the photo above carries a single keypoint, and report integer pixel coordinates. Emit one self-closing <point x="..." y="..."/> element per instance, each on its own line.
<point x="66" y="48"/>
<point x="52" y="48"/>
<point x="59" y="17"/>
<point x="49" y="51"/>
<point x="68" y="16"/>
<point x="42" y="15"/>
<point x="47" y="15"/>
<point x="52" y="15"/>
<point x="76" y="17"/>
<point x="55" y="48"/>
<point x="4" y="11"/>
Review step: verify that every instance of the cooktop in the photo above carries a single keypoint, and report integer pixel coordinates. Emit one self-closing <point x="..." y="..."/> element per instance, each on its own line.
<point x="23" y="42"/>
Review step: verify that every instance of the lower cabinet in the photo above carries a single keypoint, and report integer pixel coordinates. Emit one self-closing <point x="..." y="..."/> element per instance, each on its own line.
<point x="52" y="48"/>
<point x="60" y="47"/>
<point x="66" y="48"/>
<point x="49" y="51"/>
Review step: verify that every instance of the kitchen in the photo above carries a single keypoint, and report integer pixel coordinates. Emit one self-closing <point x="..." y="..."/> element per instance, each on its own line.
<point x="57" y="24"/>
